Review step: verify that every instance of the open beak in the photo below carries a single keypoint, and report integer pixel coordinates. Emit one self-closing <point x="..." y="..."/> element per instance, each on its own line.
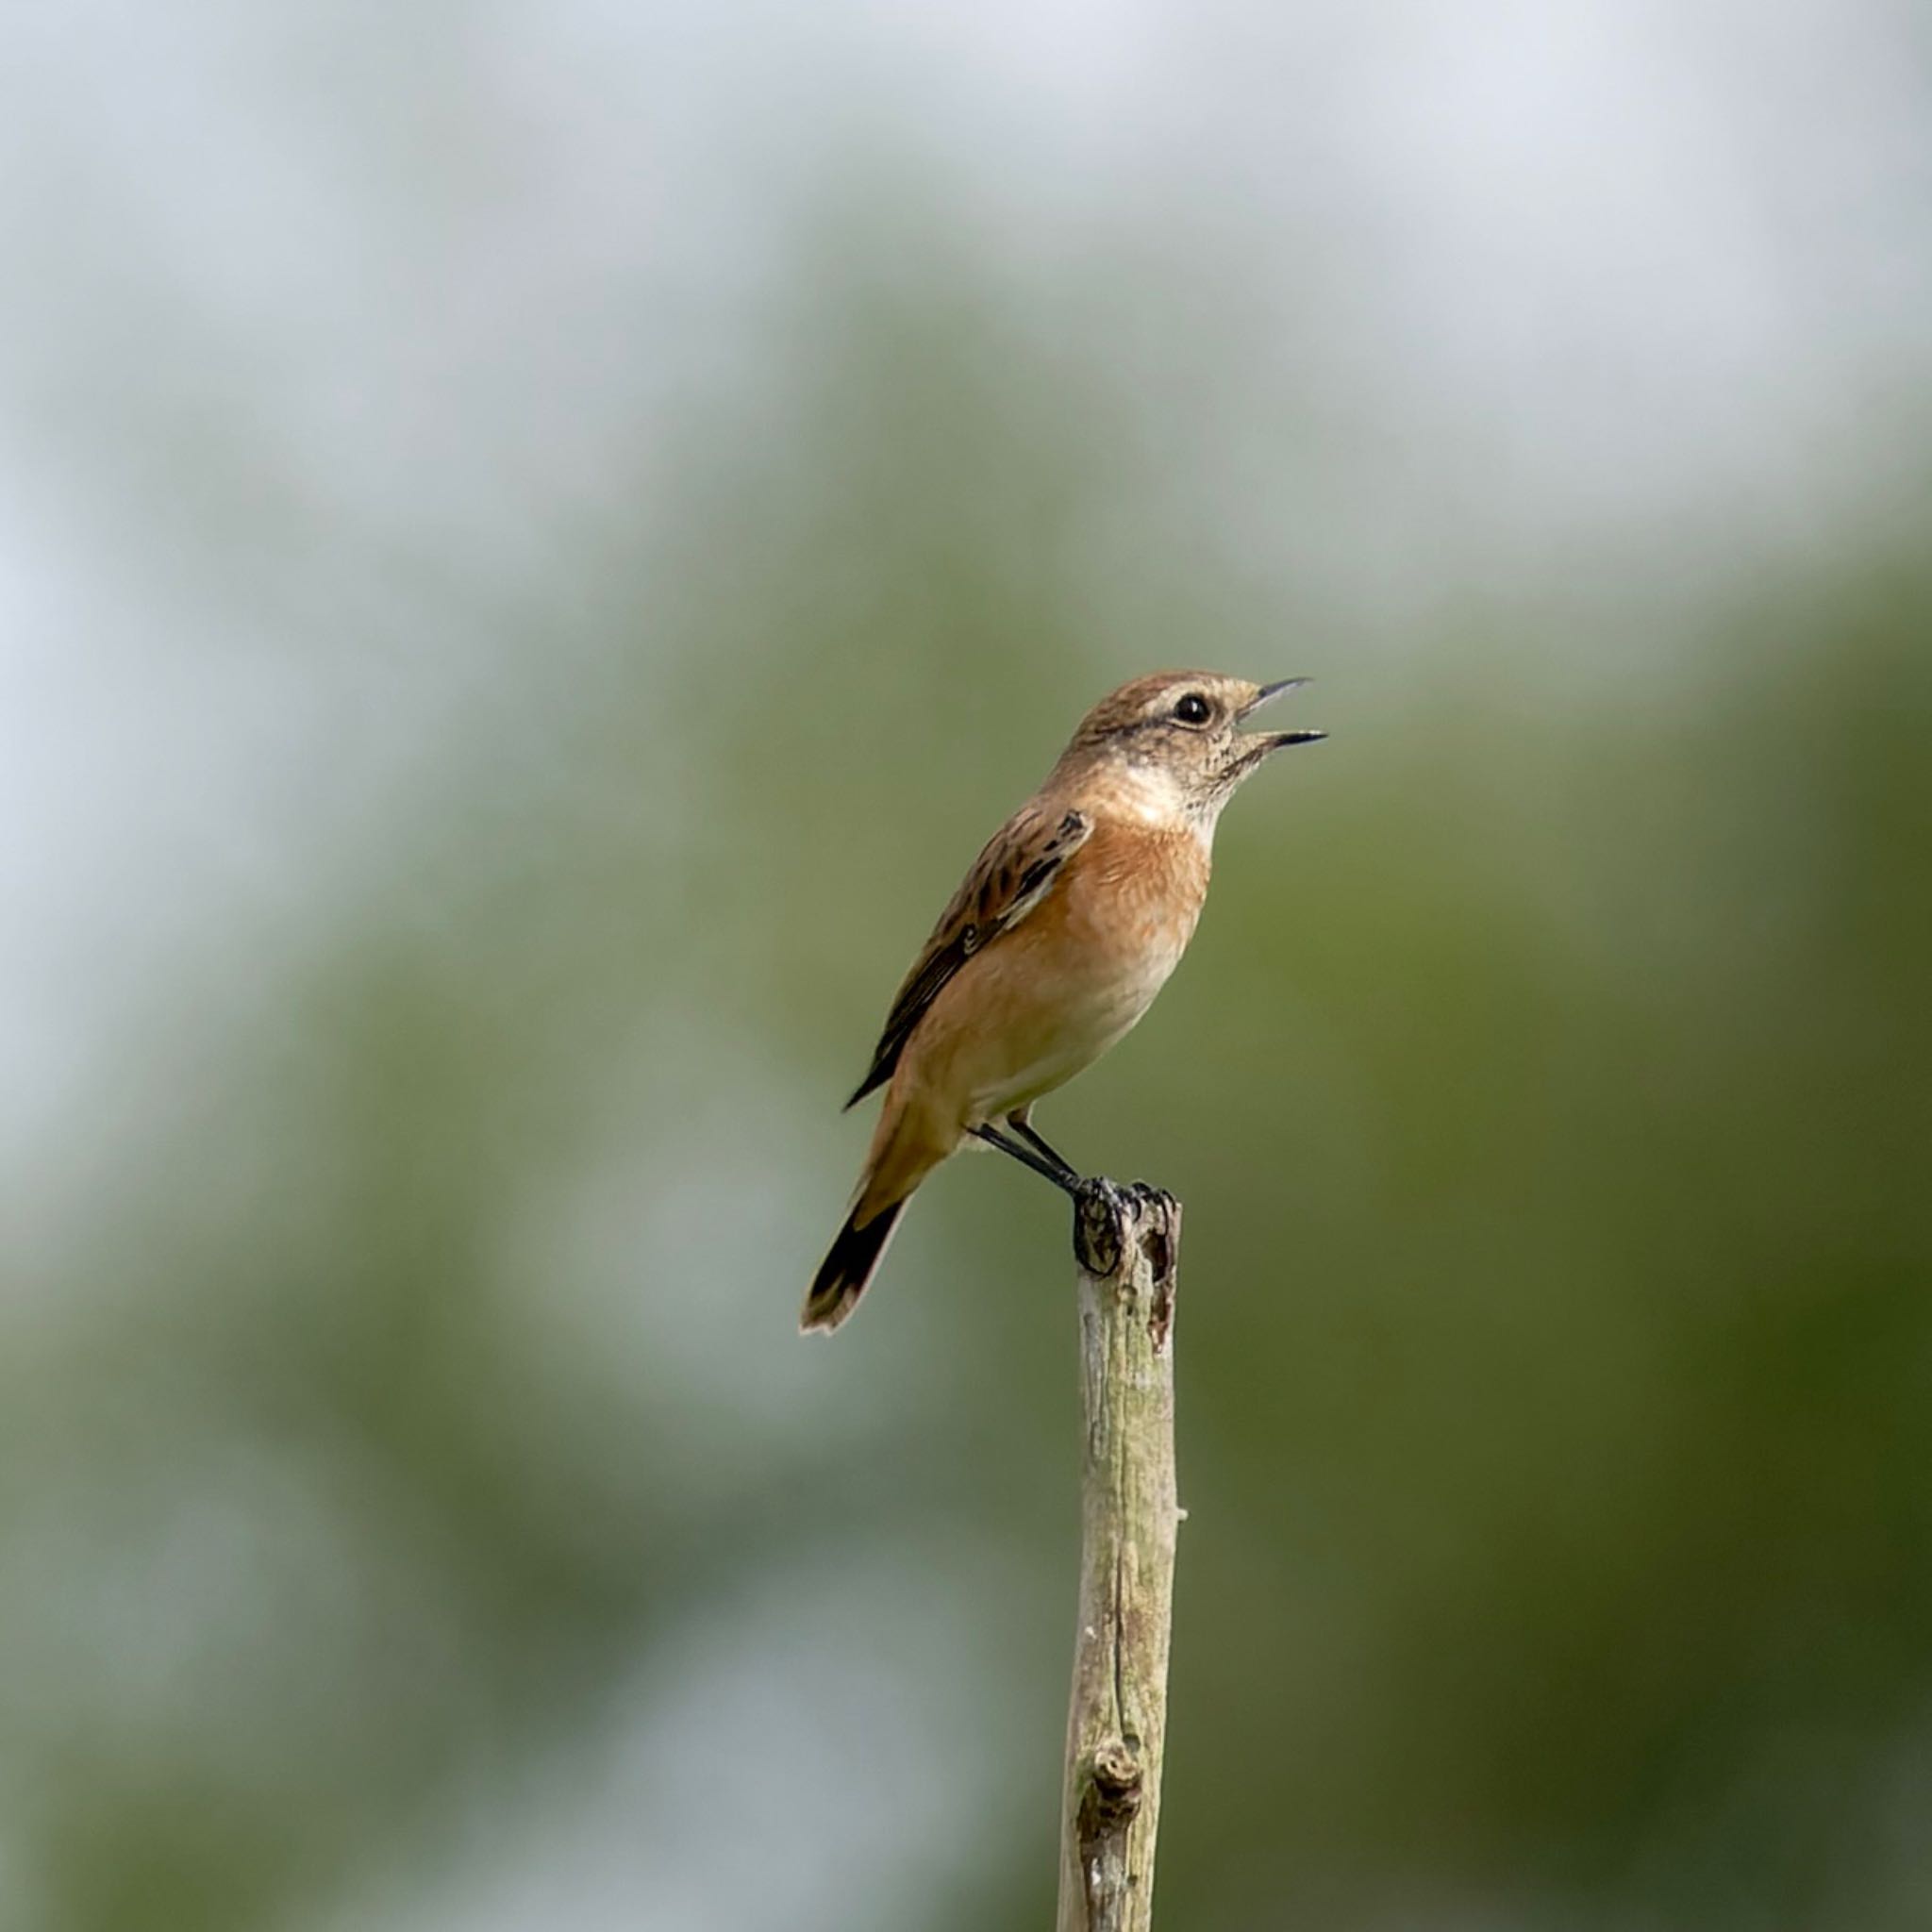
<point x="1262" y="743"/>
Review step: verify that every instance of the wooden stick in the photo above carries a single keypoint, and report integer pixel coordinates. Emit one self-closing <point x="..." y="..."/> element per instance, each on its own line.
<point x="1127" y="1243"/>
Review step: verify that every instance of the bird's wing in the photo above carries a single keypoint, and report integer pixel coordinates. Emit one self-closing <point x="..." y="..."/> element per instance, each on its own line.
<point x="1007" y="880"/>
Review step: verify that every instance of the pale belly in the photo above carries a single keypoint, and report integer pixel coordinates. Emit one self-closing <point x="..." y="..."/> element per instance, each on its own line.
<point x="1059" y="1028"/>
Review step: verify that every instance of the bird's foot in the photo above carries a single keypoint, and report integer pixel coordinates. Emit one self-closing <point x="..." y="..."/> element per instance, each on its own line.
<point x="1105" y="1214"/>
<point x="1102" y="1209"/>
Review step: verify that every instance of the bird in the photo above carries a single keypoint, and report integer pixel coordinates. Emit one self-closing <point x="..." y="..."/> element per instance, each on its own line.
<point x="1064" y="930"/>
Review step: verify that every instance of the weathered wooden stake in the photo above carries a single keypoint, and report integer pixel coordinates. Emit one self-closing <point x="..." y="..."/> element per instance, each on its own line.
<point x="1127" y="1243"/>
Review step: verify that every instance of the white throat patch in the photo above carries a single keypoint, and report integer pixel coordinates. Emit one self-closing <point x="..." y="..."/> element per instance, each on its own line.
<point x="1154" y="798"/>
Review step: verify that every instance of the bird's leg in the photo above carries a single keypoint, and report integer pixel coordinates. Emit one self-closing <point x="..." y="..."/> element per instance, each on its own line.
<point x="1056" y="1169"/>
<point x="1019" y="1122"/>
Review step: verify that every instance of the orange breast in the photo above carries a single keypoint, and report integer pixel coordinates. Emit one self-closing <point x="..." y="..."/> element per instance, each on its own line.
<point x="1053" y="995"/>
<point x="1136" y="888"/>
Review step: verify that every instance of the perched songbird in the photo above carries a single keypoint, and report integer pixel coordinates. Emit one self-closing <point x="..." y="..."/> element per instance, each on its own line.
<point x="1065" y="928"/>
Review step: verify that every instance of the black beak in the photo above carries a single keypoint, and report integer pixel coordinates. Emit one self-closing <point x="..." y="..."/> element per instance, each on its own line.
<point x="1274" y="691"/>
<point x="1266" y="741"/>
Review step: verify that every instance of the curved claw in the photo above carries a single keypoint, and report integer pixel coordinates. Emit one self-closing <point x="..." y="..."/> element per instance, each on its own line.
<point x="1100" y="1223"/>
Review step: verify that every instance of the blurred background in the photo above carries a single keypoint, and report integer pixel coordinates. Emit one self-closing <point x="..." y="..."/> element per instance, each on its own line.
<point x="536" y="541"/>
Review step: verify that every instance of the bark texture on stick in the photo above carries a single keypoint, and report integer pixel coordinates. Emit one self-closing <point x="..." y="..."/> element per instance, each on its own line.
<point x="1127" y="1242"/>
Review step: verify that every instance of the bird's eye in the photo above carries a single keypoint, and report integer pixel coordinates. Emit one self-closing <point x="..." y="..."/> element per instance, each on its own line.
<point x="1193" y="710"/>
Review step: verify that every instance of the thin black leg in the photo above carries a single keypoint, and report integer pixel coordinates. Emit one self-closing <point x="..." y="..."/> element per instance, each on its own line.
<point x="1063" y="1177"/>
<point x="1037" y="1142"/>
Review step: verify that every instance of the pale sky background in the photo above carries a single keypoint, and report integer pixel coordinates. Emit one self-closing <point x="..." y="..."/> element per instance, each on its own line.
<point x="1585" y="288"/>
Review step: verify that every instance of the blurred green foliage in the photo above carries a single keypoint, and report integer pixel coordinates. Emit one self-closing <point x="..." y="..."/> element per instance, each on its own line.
<point x="1548" y="1089"/>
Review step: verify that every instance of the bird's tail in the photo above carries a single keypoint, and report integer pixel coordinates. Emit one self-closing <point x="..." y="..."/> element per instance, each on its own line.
<point x="845" y="1272"/>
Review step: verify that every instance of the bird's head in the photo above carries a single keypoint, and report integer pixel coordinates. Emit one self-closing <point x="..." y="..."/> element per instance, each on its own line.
<point x="1174" y="742"/>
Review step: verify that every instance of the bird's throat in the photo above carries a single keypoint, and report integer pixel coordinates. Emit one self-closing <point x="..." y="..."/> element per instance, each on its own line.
<point x="1155" y="799"/>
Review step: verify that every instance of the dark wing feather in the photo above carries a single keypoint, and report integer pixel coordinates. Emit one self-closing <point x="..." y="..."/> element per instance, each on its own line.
<point x="1007" y="880"/>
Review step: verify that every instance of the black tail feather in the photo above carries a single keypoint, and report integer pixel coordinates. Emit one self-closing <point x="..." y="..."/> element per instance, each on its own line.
<point x="843" y="1273"/>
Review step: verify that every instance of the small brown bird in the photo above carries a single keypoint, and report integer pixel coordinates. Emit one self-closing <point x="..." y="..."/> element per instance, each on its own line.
<point x="1065" y="928"/>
